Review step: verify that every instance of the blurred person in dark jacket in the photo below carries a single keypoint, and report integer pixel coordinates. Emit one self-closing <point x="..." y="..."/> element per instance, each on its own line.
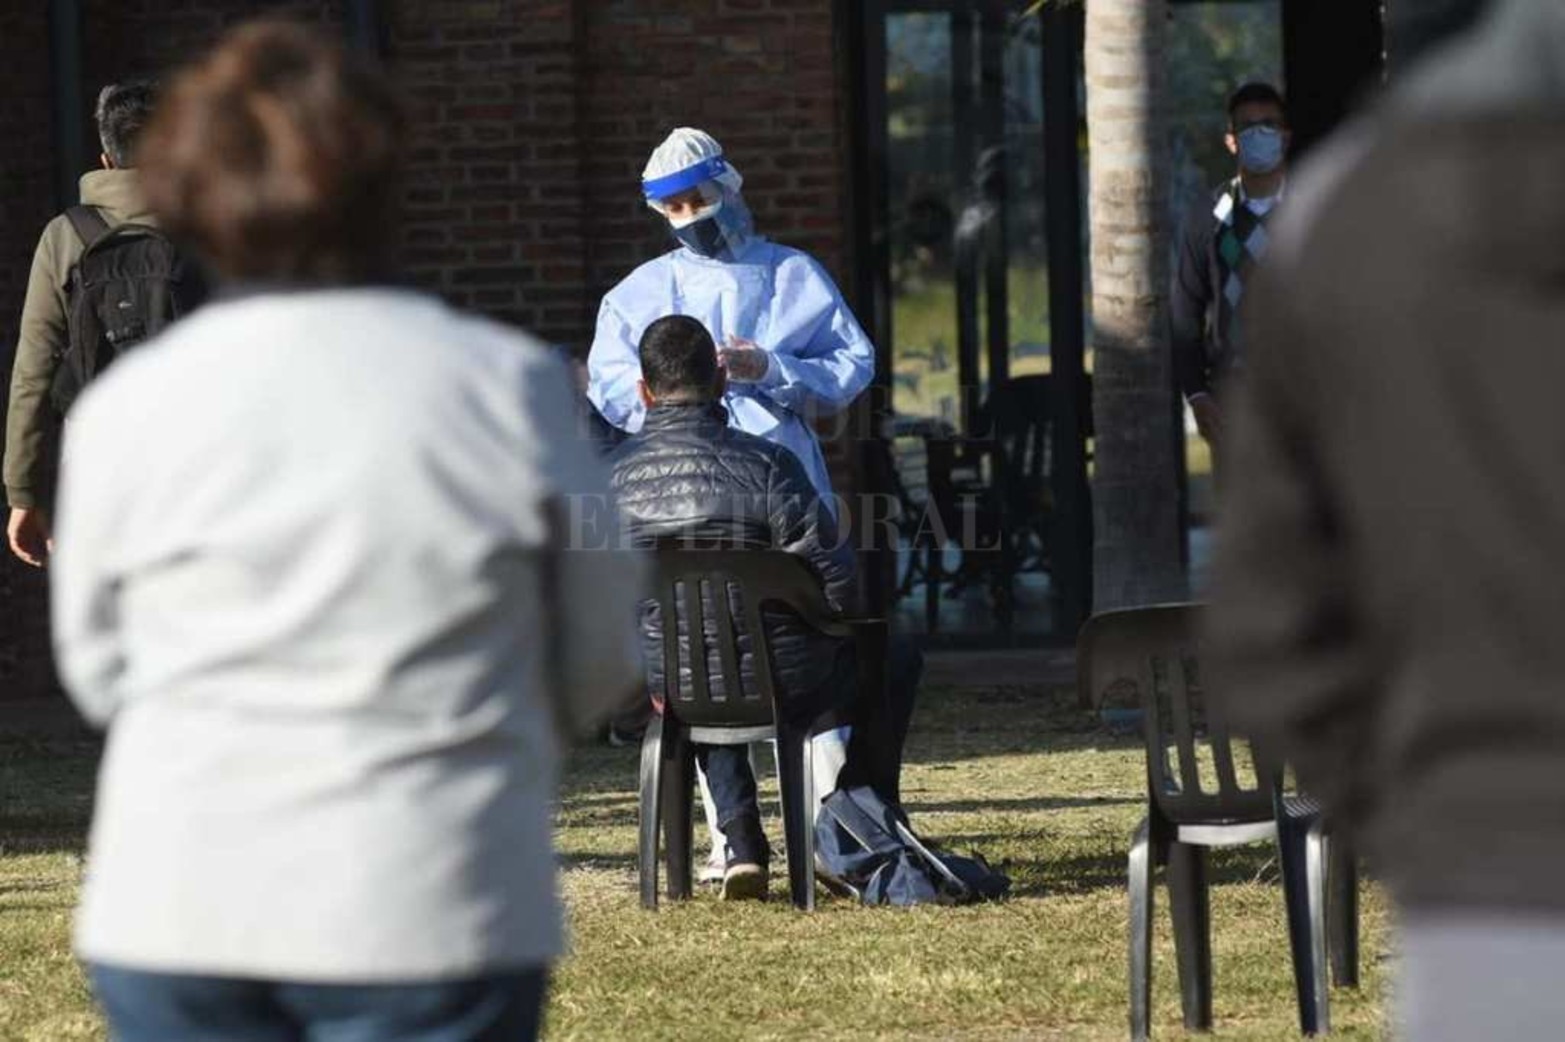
<point x="1388" y="580"/>
<point x="687" y="472"/>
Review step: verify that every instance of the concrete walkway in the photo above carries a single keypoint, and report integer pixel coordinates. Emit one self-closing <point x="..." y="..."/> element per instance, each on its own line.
<point x="1005" y="667"/>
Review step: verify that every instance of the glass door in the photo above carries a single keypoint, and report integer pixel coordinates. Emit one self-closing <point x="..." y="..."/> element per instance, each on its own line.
<point x="965" y="167"/>
<point x="964" y="242"/>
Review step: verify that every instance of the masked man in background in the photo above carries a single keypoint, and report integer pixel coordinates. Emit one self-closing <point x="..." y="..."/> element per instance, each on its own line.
<point x="1220" y="248"/>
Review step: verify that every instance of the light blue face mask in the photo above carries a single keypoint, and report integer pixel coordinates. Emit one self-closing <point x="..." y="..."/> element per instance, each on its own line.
<point x="1260" y="149"/>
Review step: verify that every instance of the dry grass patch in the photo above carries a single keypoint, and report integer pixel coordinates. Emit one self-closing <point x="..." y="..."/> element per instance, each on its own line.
<point x="1015" y="773"/>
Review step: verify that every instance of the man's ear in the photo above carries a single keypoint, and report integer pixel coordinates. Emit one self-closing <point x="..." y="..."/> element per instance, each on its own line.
<point x="1231" y="143"/>
<point x="646" y="394"/>
<point x="104" y="161"/>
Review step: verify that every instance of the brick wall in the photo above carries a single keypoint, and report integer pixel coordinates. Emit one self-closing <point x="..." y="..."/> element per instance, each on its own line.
<point x="756" y="74"/>
<point x="26" y="201"/>
<point x="532" y="121"/>
<point x="535" y="118"/>
<point x="760" y="76"/>
<point x="125" y="38"/>
<point x="495" y="211"/>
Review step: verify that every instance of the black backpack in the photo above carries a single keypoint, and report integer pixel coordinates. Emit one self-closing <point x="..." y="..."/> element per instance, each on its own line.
<point x="129" y="283"/>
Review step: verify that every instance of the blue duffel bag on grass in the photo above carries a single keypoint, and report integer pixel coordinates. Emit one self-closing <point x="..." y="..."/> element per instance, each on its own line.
<point x="866" y="850"/>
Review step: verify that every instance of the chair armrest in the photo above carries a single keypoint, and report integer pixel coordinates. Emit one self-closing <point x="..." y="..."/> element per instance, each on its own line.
<point x="857" y="627"/>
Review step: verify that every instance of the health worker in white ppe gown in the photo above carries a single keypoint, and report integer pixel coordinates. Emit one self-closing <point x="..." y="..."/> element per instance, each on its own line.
<point x="791" y="346"/>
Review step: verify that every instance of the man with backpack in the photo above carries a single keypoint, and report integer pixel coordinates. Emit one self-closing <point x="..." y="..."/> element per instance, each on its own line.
<point x="103" y="279"/>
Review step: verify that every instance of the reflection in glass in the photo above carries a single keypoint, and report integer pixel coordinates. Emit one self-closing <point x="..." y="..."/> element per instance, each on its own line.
<point x="919" y="155"/>
<point x="969" y="294"/>
<point x="965" y="133"/>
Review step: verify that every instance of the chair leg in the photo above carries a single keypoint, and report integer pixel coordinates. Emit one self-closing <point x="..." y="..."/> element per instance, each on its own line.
<point x="933" y="577"/>
<point x="795" y="783"/>
<point x="1342" y="905"/>
<point x="679" y="778"/>
<point x="651" y="817"/>
<point x="1141" y="896"/>
<point x="1190" y="901"/>
<point x="908" y="577"/>
<point x="1298" y="848"/>
<point x="1005" y="582"/>
<point x="1316" y="854"/>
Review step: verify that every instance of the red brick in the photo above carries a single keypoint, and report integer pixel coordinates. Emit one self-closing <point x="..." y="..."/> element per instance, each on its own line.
<point x="494" y="254"/>
<point x="509" y="274"/>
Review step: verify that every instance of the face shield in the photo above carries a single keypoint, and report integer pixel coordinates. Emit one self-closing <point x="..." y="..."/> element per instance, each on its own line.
<point x="694" y="204"/>
<point x="704" y="209"/>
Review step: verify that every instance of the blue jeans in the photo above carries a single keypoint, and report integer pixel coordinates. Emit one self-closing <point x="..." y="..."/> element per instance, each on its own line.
<point x="874" y="751"/>
<point x="169" y="1007"/>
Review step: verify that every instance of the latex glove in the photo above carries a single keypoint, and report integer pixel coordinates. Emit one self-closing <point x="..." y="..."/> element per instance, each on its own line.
<point x="745" y="361"/>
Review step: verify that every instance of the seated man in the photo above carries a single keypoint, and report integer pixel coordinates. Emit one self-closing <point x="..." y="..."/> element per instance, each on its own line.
<point x="687" y="472"/>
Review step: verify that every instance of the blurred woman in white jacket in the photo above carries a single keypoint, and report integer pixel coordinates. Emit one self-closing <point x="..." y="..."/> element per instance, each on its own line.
<point x="311" y="576"/>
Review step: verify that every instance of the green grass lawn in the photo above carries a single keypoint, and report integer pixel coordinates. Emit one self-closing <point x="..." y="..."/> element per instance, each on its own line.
<point x="1017" y="774"/>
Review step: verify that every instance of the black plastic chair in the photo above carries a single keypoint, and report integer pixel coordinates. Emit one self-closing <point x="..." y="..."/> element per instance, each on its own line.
<point x="912" y="454"/>
<point x="699" y="580"/>
<point x="1153" y="651"/>
<point x="993" y="486"/>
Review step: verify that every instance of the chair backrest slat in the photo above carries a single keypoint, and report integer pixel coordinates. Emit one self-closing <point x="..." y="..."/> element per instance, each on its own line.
<point x="1155" y="650"/>
<point x="760" y="650"/>
<point x="1168" y="679"/>
<point x="1222" y="742"/>
<point x="699" y="580"/>
<point x="667" y="595"/>
<point x="727" y="642"/>
<point x="695" y="623"/>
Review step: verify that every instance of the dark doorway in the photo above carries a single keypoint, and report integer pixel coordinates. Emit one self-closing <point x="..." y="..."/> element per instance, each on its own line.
<point x="970" y="220"/>
<point x="970" y="254"/>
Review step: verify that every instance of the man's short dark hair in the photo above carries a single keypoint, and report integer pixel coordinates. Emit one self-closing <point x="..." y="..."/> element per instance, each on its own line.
<point x="1256" y="93"/>
<point x="678" y="358"/>
<point x="123" y="110"/>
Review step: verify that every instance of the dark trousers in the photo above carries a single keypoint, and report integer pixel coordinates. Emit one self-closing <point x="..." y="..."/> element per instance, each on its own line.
<point x="170" y="1007"/>
<point x="880" y="727"/>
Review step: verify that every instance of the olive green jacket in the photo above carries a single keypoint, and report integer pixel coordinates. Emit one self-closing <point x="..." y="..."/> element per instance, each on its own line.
<point x="31" y="422"/>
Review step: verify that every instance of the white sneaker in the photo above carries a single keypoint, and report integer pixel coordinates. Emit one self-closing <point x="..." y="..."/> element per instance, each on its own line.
<point x="716" y="865"/>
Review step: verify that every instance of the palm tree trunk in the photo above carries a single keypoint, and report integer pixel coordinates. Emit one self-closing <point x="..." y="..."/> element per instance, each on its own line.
<point x="1136" y="553"/>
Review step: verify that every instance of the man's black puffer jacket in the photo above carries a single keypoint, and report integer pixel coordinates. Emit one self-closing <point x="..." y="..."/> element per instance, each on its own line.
<point x="687" y="472"/>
